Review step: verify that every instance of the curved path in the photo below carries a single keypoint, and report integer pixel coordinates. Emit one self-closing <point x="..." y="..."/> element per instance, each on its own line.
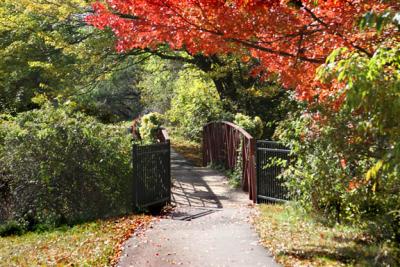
<point x="209" y="226"/>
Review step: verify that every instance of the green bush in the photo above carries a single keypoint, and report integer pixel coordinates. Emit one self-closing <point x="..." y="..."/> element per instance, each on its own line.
<point x="254" y="126"/>
<point x="57" y="166"/>
<point x="196" y="103"/>
<point x="150" y="124"/>
<point x="348" y="153"/>
<point x="12" y="228"/>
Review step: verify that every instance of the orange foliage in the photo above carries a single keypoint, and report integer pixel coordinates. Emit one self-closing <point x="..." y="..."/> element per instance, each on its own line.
<point x="288" y="37"/>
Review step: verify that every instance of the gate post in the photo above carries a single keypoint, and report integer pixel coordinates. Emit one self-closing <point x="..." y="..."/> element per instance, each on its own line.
<point x="134" y="176"/>
<point x="168" y="142"/>
<point x="204" y="146"/>
<point x="252" y="166"/>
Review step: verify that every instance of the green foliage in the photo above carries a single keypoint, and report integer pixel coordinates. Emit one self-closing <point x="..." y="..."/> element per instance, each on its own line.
<point x="236" y="175"/>
<point x="149" y="127"/>
<point x="11" y="228"/>
<point x="58" y="166"/>
<point x="253" y="126"/>
<point x="380" y="20"/>
<point x="196" y="103"/>
<point x="47" y="48"/>
<point x="242" y="91"/>
<point x="348" y="156"/>
<point x="236" y="88"/>
<point x="157" y="83"/>
<point x="114" y="99"/>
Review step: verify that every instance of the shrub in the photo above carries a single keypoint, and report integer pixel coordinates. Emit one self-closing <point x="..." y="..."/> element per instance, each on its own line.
<point x="254" y="126"/>
<point x="11" y="228"/>
<point x="149" y="127"/>
<point x="347" y="165"/>
<point x="59" y="167"/>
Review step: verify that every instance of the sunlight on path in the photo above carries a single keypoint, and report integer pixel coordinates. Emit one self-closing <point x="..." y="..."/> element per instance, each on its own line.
<point x="209" y="226"/>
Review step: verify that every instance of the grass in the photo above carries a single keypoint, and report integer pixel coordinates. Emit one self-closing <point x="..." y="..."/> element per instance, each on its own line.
<point x="296" y="239"/>
<point x="97" y="243"/>
<point x="188" y="149"/>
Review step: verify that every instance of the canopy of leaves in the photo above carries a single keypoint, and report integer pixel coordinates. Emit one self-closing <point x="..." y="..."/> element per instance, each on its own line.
<point x="290" y="38"/>
<point x="47" y="48"/>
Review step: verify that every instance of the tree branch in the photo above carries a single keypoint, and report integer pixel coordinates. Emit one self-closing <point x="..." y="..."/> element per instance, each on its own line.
<point x="320" y="21"/>
<point x="277" y="52"/>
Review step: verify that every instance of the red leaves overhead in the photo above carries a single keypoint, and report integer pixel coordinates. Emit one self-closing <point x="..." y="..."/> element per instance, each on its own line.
<point x="291" y="38"/>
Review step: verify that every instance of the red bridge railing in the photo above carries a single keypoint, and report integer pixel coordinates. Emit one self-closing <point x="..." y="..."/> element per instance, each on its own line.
<point x="221" y="141"/>
<point x="162" y="135"/>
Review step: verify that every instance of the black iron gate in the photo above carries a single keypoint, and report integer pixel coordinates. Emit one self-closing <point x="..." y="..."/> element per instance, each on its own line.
<point x="152" y="174"/>
<point x="269" y="187"/>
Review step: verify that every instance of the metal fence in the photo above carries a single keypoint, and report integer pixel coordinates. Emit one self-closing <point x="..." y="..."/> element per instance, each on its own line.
<point x="152" y="174"/>
<point x="269" y="187"/>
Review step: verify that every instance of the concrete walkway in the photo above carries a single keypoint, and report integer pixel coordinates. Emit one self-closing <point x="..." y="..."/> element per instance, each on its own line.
<point x="209" y="226"/>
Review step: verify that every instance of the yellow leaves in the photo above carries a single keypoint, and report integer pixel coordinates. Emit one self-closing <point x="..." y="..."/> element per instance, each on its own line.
<point x="373" y="172"/>
<point x="255" y="92"/>
<point x="55" y="8"/>
<point x="26" y="16"/>
<point x="39" y="99"/>
<point x="40" y="64"/>
<point x="54" y="39"/>
<point x="189" y="149"/>
<point x="12" y="17"/>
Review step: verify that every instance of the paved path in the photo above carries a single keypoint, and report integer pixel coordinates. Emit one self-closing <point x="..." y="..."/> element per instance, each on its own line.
<point x="209" y="227"/>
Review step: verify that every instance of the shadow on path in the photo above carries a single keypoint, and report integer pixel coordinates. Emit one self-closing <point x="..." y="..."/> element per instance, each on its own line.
<point x="208" y="227"/>
<point x="202" y="187"/>
<point x="189" y="187"/>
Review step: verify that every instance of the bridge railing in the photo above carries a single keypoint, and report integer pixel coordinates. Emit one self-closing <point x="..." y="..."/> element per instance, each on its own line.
<point x="162" y="136"/>
<point x="221" y="144"/>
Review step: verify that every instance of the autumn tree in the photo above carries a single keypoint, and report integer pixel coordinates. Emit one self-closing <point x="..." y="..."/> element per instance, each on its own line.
<point x="290" y="38"/>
